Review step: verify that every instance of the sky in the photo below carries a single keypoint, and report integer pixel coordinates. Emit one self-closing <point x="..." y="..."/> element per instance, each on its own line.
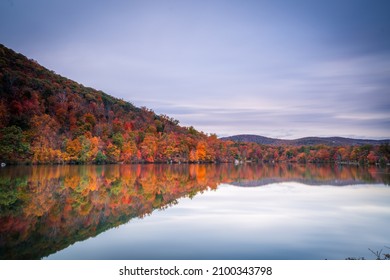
<point x="282" y="69"/>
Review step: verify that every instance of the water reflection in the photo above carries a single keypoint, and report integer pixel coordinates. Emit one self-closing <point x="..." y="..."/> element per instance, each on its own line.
<point x="44" y="209"/>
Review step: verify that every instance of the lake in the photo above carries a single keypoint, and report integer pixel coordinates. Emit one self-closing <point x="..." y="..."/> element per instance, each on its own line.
<point x="196" y="211"/>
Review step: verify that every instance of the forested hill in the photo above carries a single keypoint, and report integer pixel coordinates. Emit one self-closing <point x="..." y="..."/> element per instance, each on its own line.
<point x="46" y="119"/>
<point x="306" y="141"/>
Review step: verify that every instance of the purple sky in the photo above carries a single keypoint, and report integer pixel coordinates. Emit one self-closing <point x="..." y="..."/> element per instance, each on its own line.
<point x="284" y="69"/>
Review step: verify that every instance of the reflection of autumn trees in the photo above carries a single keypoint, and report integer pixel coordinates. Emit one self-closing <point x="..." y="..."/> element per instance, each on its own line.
<point x="47" y="208"/>
<point x="56" y="206"/>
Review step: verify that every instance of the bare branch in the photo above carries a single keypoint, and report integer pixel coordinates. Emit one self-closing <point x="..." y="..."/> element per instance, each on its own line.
<point x="377" y="253"/>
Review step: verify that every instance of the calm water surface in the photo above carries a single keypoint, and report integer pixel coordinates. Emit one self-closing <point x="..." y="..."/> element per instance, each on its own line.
<point x="193" y="212"/>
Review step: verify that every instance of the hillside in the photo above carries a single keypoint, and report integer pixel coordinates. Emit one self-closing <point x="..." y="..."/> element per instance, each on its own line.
<point x="48" y="119"/>
<point x="306" y="141"/>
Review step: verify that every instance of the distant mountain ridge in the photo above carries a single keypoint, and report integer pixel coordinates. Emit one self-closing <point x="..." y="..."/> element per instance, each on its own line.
<point x="306" y="141"/>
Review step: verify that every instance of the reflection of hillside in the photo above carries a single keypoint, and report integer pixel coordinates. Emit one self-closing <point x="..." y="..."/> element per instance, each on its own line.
<point x="261" y="175"/>
<point x="268" y="181"/>
<point x="45" y="209"/>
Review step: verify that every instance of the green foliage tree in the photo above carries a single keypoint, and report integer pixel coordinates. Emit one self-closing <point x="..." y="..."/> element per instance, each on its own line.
<point x="118" y="140"/>
<point x="13" y="145"/>
<point x="100" y="158"/>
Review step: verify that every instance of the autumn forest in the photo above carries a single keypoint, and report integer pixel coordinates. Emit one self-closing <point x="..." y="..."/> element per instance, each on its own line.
<point x="48" y="119"/>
